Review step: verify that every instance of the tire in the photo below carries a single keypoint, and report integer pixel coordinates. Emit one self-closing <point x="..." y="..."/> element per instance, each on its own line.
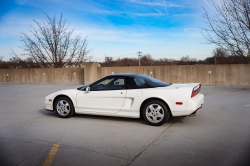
<point x="155" y="112"/>
<point x="64" y="107"/>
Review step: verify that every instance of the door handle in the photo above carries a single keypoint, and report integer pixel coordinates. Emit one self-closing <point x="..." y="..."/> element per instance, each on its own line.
<point x="121" y="92"/>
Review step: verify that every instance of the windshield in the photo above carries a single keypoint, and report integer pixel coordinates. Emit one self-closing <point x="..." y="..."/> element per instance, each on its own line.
<point x="83" y="87"/>
<point x="148" y="82"/>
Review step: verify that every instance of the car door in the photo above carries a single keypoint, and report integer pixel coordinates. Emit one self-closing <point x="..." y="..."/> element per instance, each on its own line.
<point x="105" y="96"/>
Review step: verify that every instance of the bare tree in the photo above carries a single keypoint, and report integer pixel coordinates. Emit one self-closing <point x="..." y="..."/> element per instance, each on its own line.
<point x="50" y="44"/>
<point x="1" y="62"/>
<point x="15" y="62"/>
<point x="147" y="60"/>
<point x="229" y="28"/>
<point x="185" y="60"/>
<point x="220" y="56"/>
<point x="108" y="59"/>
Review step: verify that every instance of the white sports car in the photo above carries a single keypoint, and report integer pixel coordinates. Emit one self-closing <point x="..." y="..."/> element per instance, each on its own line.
<point x="128" y="95"/>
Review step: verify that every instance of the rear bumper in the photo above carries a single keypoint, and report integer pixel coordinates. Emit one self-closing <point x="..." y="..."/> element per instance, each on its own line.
<point x="194" y="113"/>
<point x="193" y="105"/>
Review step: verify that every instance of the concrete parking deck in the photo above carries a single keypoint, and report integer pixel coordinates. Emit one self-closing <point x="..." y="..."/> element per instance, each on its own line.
<point x="29" y="135"/>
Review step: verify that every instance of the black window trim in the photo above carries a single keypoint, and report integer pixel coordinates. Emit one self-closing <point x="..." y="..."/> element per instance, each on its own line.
<point x="108" y="78"/>
<point x="129" y="83"/>
<point x="138" y="87"/>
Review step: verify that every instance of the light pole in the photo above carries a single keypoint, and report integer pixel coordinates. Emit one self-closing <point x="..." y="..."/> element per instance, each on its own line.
<point x="139" y="58"/>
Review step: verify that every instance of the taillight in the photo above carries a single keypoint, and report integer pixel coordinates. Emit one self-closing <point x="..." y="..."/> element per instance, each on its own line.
<point x="196" y="90"/>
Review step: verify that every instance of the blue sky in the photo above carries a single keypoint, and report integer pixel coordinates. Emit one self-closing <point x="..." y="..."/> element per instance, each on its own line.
<point x="118" y="28"/>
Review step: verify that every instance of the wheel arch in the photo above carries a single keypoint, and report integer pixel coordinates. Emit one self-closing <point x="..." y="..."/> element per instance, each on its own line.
<point x="154" y="98"/>
<point x="62" y="95"/>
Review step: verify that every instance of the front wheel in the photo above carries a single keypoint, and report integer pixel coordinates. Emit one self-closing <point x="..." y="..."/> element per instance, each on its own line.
<point x="155" y="113"/>
<point x="64" y="107"/>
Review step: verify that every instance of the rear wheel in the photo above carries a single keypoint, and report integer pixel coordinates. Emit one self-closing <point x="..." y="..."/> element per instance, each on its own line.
<point x="64" y="107"/>
<point x="155" y="113"/>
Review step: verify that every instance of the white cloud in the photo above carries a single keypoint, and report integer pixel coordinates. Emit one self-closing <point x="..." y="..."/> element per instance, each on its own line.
<point x="155" y="3"/>
<point x="187" y="32"/>
<point x="187" y="15"/>
<point x="158" y="11"/>
<point x="21" y="1"/>
<point x="195" y="35"/>
<point x="176" y="34"/>
<point x="129" y="13"/>
<point x="13" y="26"/>
<point x="165" y="7"/>
<point x="112" y="34"/>
<point x="210" y="6"/>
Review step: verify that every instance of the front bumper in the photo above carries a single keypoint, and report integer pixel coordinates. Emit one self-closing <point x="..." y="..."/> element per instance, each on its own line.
<point x="50" y="110"/>
<point x="48" y="104"/>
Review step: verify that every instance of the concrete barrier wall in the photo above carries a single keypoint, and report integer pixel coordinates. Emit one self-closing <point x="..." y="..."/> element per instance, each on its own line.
<point x="37" y="75"/>
<point x="236" y="74"/>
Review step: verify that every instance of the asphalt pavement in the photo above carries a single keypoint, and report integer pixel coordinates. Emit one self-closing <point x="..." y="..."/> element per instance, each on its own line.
<point x="29" y="135"/>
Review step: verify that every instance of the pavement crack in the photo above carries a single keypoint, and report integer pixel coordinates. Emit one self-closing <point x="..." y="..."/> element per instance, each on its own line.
<point x="128" y="154"/>
<point x="41" y="149"/>
<point x="40" y="161"/>
<point x="26" y="159"/>
<point x="65" y="147"/>
<point x="27" y="141"/>
<point x="69" y="147"/>
<point x="32" y="156"/>
<point x="21" y="122"/>
<point x="19" y="140"/>
<point x="131" y="161"/>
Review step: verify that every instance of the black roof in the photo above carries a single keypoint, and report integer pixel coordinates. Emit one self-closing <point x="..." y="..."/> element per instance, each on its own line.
<point x="124" y="74"/>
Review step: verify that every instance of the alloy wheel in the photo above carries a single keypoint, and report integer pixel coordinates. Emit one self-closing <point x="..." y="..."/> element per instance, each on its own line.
<point x="154" y="113"/>
<point x="63" y="107"/>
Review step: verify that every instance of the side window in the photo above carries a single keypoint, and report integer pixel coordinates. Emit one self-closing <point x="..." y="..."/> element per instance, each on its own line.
<point x="140" y="82"/>
<point x="105" y="82"/>
<point x="119" y="81"/>
<point x="110" y="83"/>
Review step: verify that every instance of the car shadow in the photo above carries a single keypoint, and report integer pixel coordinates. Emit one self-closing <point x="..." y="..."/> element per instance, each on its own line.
<point x="48" y="113"/>
<point x="180" y="119"/>
<point x="108" y="118"/>
<point x="94" y="117"/>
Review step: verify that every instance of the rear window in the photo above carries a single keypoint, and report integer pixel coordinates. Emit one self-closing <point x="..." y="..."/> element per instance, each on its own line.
<point x="148" y="82"/>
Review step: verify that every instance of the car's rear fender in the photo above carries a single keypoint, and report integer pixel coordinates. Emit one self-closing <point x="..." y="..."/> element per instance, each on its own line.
<point x="171" y="96"/>
<point x="154" y="98"/>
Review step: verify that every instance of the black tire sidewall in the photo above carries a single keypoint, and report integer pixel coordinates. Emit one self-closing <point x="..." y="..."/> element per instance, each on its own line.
<point x="71" y="112"/>
<point x="165" y="109"/>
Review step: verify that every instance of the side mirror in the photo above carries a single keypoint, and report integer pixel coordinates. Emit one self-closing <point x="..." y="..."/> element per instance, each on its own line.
<point x="87" y="89"/>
